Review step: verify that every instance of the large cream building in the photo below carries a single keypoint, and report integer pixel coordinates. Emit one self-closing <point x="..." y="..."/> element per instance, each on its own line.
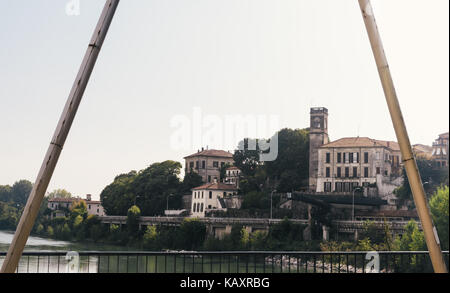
<point x="347" y="163"/>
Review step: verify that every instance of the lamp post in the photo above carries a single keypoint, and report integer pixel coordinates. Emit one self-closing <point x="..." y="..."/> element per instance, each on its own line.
<point x="353" y="202"/>
<point x="167" y="207"/>
<point x="271" y="196"/>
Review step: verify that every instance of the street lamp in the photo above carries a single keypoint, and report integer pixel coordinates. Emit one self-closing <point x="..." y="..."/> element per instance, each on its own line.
<point x="353" y="202"/>
<point x="271" y="196"/>
<point x="167" y="208"/>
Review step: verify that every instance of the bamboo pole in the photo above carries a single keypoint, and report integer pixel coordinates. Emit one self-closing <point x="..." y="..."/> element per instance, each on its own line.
<point x="409" y="160"/>
<point x="62" y="130"/>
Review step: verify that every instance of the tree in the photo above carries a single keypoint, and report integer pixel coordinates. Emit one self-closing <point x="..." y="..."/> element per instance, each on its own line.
<point x="59" y="193"/>
<point x="440" y="213"/>
<point x="20" y="192"/>
<point x="290" y="170"/>
<point x="191" y="180"/>
<point x="193" y="233"/>
<point x="118" y="197"/>
<point x="133" y="216"/>
<point x="412" y="239"/>
<point x="431" y="176"/>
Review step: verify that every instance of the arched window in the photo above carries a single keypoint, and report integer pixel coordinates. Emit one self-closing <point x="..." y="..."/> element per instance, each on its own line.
<point x="201" y="208"/>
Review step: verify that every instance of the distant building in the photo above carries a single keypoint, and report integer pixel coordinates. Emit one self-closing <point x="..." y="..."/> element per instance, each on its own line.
<point x="207" y="163"/>
<point x="347" y="163"/>
<point x="59" y="206"/>
<point x="357" y="161"/>
<point x="232" y="176"/>
<point x="210" y="196"/>
<point x="422" y="151"/>
<point x="440" y="150"/>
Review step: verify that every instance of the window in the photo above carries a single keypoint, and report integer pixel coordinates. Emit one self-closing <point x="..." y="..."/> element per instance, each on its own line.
<point x="327" y="187"/>
<point x="222" y="164"/>
<point x="327" y="172"/>
<point x="209" y="206"/>
<point x="202" y="194"/>
<point x="210" y="194"/>
<point x="347" y="172"/>
<point x="338" y="172"/>
<point x="378" y="170"/>
<point x="339" y="157"/>
<point x="344" y="159"/>
<point x="209" y="178"/>
<point x="366" y="172"/>
<point x="196" y="165"/>
<point x="366" y="158"/>
<point x="203" y="164"/>
<point x="191" y="165"/>
<point x="224" y="193"/>
<point x="216" y="164"/>
<point x="201" y="208"/>
<point x="338" y="187"/>
<point x="355" y="172"/>
<point x="357" y="157"/>
<point x="351" y="157"/>
<point x="327" y="158"/>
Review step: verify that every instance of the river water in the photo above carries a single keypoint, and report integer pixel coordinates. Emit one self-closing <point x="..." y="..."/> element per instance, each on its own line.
<point x="43" y="244"/>
<point x="46" y="264"/>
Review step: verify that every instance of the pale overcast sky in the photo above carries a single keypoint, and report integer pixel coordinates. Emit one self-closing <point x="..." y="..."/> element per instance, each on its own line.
<point x="162" y="58"/>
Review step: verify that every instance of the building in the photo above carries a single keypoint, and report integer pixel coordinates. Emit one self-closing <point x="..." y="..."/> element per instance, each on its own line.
<point x="207" y="163"/>
<point x="347" y="163"/>
<point x="357" y="161"/>
<point x="232" y="176"/>
<point x="422" y="151"/>
<point x="209" y="197"/>
<point x="440" y="150"/>
<point x="60" y="206"/>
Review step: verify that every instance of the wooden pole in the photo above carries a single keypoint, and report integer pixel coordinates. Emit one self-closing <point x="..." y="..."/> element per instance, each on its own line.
<point x="409" y="160"/>
<point x="62" y="130"/>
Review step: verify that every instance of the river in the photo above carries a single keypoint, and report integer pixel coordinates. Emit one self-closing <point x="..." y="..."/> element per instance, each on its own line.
<point x="45" y="244"/>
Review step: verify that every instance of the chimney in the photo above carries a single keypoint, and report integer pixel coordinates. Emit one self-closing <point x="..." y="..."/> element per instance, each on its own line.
<point x="88" y="197"/>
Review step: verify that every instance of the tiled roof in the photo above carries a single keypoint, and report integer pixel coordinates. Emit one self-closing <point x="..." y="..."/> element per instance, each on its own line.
<point x="216" y="186"/>
<point x="212" y="153"/>
<point x="362" y="142"/>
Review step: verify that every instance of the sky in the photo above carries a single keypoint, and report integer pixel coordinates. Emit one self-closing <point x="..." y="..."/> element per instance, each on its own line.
<point x="171" y="72"/>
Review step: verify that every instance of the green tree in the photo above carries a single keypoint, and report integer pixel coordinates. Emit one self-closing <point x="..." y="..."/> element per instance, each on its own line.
<point x="440" y="213"/>
<point x="191" y="180"/>
<point x="20" y="192"/>
<point x="412" y="239"/>
<point x="290" y="171"/>
<point x="133" y="217"/>
<point x="59" y="193"/>
<point x="431" y="176"/>
<point x="192" y="233"/>
<point x="119" y="196"/>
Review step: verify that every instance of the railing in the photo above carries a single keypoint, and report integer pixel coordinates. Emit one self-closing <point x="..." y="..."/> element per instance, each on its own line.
<point x="225" y="262"/>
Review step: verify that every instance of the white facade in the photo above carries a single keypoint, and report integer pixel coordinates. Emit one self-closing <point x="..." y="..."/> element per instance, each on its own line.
<point x="208" y="197"/>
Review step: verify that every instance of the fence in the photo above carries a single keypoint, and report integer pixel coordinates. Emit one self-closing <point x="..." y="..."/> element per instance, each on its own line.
<point x="225" y="262"/>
